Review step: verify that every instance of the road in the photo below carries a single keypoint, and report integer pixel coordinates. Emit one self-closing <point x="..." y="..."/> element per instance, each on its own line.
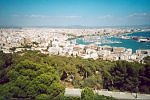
<point x="117" y="95"/>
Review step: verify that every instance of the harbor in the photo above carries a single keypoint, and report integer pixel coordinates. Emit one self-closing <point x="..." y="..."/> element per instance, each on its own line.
<point x="132" y="40"/>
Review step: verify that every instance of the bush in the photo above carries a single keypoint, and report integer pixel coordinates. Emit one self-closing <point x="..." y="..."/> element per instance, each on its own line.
<point x="32" y="80"/>
<point x="71" y="98"/>
<point x="87" y="94"/>
<point x="102" y="97"/>
<point x="42" y="97"/>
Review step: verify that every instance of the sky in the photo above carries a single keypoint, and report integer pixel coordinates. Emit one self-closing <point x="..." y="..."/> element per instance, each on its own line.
<point x="74" y="12"/>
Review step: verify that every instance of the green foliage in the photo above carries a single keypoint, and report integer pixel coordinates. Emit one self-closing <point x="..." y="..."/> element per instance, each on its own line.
<point x="5" y="63"/>
<point x="87" y="94"/>
<point x="147" y="59"/>
<point x="144" y="79"/>
<point x="42" y="97"/>
<point x="33" y="75"/>
<point x="5" y="60"/>
<point x="29" y="80"/>
<point x="71" y="98"/>
<point x="102" y="97"/>
<point x="93" y="81"/>
<point x="128" y="76"/>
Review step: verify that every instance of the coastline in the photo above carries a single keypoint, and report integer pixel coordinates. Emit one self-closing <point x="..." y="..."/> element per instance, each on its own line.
<point x="120" y="42"/>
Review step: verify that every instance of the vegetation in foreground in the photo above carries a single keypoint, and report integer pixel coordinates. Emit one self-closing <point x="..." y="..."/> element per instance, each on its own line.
<point x="88" y="94"/>
<point x="32" y="75"/>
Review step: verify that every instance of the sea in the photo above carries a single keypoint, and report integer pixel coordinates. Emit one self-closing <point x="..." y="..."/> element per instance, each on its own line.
<point x="117" y="41"/>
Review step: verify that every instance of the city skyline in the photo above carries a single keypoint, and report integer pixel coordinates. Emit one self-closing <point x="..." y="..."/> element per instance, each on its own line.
<point x="74" y="12"/>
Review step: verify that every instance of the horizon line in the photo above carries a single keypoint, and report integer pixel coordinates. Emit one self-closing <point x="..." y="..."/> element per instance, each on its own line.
<point x="70" y="26"/>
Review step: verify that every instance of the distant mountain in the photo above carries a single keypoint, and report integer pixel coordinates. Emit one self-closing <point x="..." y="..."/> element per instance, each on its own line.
<point x="78" y="26"/>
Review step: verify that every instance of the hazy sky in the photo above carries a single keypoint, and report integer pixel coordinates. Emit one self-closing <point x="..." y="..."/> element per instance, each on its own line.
<point x="74" y="12"/>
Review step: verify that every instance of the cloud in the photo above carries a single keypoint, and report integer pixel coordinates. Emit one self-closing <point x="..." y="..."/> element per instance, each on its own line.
<point x="47" y="16"/>
<point x="139" y="15"/>
<point x="105" y="17"/>
<point x="70" y="16"/>
<point x="37" y="16"/>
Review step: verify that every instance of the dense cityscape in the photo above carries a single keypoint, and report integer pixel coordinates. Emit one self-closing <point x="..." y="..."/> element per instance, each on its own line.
<point x="62" y="42"/>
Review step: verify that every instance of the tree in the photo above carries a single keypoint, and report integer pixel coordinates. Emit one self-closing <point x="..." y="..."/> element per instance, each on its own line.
<point x="5" y="63"/>
<point x="31" y="74"/>
<point x="94" y="81"/>
<point x="102" y="97"/>
<point x="144" y="78"/>
<point x="146" y="59"/>
<point x="42" y="97"/>
<point x="123" y="76"/>
<point x="30" y="80"/>
<point x="87" y="94"/>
